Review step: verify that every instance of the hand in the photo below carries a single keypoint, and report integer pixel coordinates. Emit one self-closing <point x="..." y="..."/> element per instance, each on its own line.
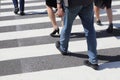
<point x="60" y="12"/>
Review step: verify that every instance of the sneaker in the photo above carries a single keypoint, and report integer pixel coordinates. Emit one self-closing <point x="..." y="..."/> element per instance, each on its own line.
<point x="58" y="47"/>
<point x="94" y="66"/>
<point x="99" y="23"/>
<point x="22" y="13"/>
<point x="16" y="10"/>
<point x="110" y="28"/>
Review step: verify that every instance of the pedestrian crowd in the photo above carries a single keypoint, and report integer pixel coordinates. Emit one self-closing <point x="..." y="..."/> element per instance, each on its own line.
<point x="68" y="10"/>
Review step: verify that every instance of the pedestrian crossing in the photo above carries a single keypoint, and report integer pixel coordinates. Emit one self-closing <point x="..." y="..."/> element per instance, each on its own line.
<point x="27" y="51"/>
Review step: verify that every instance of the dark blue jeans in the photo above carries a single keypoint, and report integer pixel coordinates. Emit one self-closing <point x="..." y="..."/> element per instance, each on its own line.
<point x="86" y="15"/>
<point x="15" y="2"/>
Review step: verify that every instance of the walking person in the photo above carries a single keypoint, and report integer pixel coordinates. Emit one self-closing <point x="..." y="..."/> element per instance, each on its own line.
<point x="83" y="9"/>
<point x="18" y="7"/>
<point x="101" y="4"/>
<point x="50" y="4"/>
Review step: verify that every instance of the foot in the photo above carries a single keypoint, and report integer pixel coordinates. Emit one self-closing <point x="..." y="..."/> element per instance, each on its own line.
<point x="22" y="13"/>
<point x="57" y="44"/>
<point x="54" y="32"/>
<point x="16" y="10"/>
<point x="94" y="66"/>
<point x="99" y="23"/>
<point x="110" y="28"/>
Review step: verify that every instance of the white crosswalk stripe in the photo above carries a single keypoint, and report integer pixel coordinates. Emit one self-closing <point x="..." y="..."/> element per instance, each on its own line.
<point x="41" y="32"/>
<point x="36" y="20"/>
<point x="27" y="5"/>
<point x="28" y="52"/>
<point x="33" y="51"/>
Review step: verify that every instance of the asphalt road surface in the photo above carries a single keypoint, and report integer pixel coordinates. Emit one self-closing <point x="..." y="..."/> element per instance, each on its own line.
<point x="27" y="51"/>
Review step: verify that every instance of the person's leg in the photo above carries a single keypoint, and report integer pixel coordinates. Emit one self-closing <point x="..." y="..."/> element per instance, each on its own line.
<point x="22" y="7"/>
<point x="109" y="15"/>
<point x="15" y="3"/>
<point x="52" y="17"/>
<point x="88" y="24"/>
<point x="110" y="26"/>
<point x="97" y="14"/>
<point x="70" y="15"/>
<point x="49" y="5"/>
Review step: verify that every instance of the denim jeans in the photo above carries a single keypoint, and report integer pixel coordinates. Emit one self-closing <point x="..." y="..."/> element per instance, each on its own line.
<point x="15" y="2"/>
<point x="86" y="15"/>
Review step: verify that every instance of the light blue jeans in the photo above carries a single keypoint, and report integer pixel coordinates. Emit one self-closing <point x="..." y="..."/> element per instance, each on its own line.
<point x="86" y="15"/>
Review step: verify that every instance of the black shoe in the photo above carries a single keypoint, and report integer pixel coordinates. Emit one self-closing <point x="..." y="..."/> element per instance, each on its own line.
<point x="99" y="23"/>
<point x="22" y="13"/>
<point x="94" y="66"/>
<point x="110" y="28"/>
<point x="16" y="10"/>
<point x="54" y="32"/>
<point x="57" y="44"/>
